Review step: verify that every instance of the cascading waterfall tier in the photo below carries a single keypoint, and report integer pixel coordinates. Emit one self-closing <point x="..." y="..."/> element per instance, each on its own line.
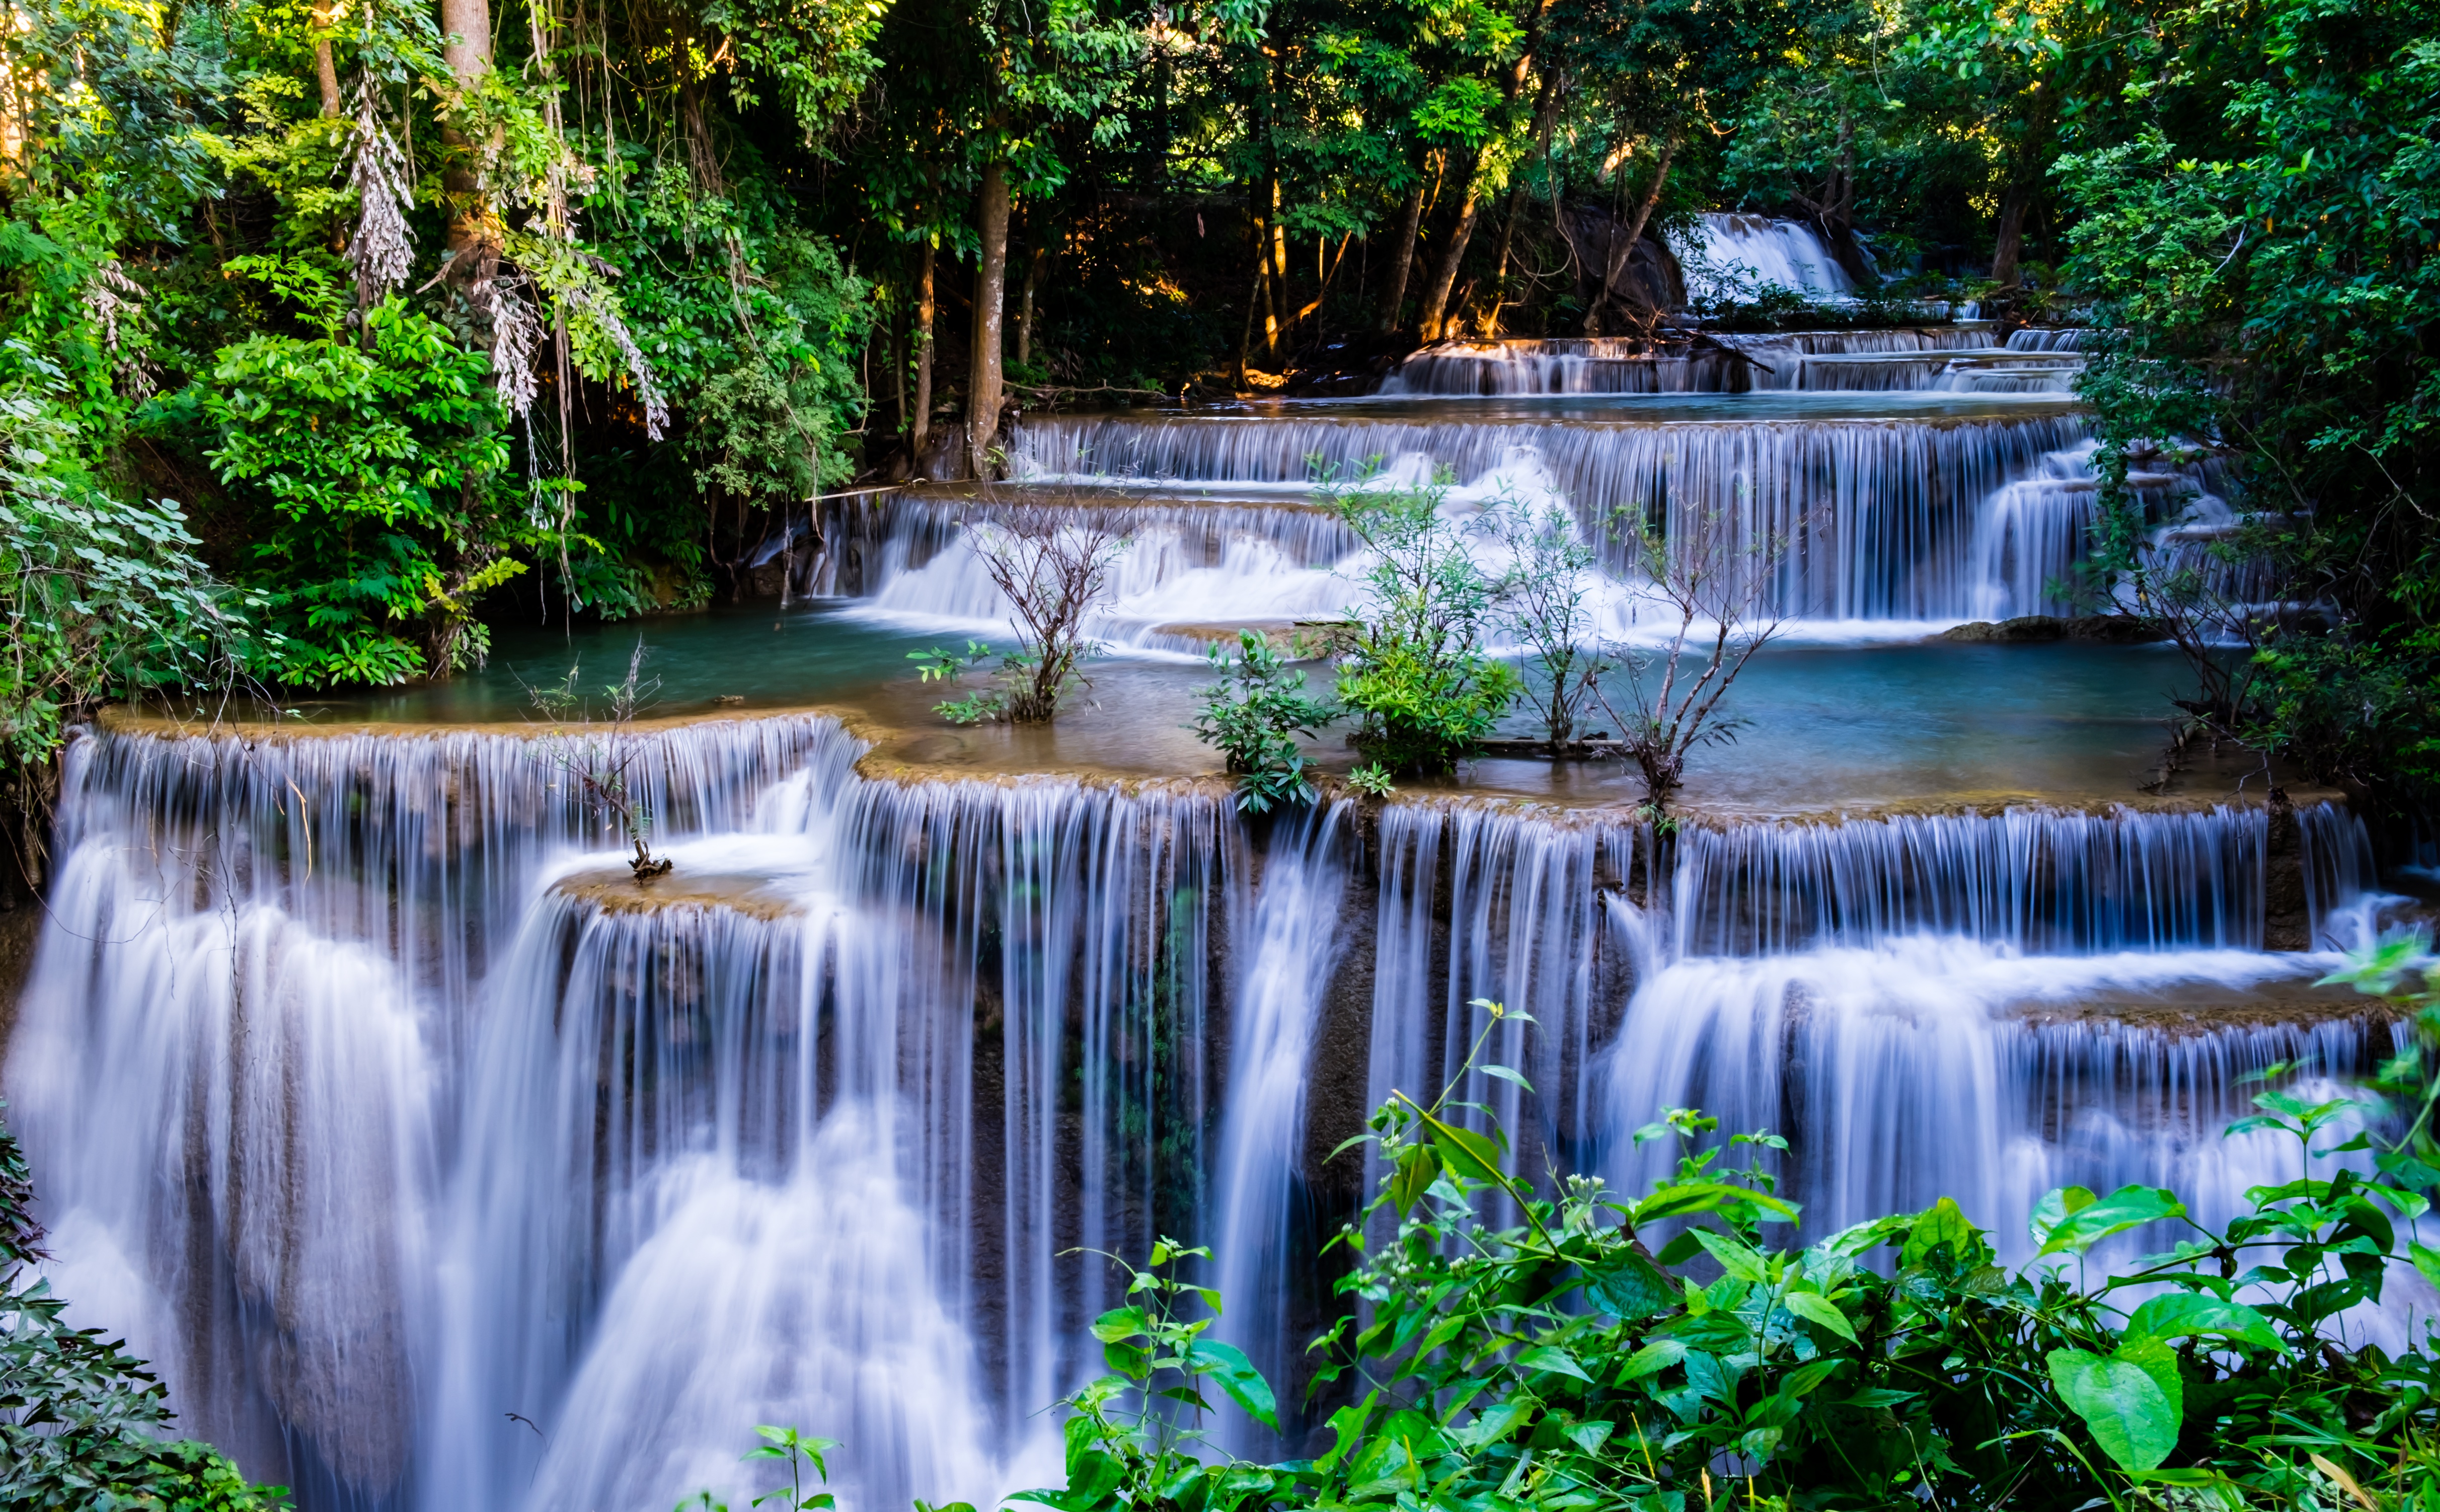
<point x="1877" y="519"/>
<point x="370" y="1096"/>
<point x="1200" y="564"/>
<point x="1952" y="359"/>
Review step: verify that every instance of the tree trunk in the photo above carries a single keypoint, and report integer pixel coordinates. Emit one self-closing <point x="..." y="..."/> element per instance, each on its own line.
<point x="983" y="382"/>
<point x="2011" y="241"/>
<point x="474" y="232"/>
<point x="925" y="306"/>
<point x="1402" y="256"/>
<point x="1622" y="251"/>
<point x="1034" y="263"/>
<point x="1283" y="322"/>
<point x="325" y="70"/>
<point x="1435" y="311"/>
<point x="1546" y="115"/>
<point x="1507" y="243"/>
<point x="898" y="355"/>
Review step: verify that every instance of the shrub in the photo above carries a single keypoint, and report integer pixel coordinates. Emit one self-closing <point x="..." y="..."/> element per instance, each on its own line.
<point x="1253" y="714"/>
<point x="1414" y="673"/>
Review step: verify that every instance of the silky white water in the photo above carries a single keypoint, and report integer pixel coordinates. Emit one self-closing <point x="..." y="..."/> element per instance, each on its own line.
<point x="450" y="1123"/>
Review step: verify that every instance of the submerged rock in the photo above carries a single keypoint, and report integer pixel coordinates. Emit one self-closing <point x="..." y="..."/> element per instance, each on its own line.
<point x="2107" y="629"/>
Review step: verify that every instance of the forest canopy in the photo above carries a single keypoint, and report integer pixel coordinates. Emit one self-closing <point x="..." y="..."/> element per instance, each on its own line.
<point x="334" y="331"/>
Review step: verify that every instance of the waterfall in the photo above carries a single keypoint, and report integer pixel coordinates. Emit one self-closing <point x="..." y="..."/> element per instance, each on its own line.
<point x="1202" y="567"/>
<point x="1928" y="1066"/>
<point x="372" y="1099"/>
<point x="2046" y="881"/>
<point x="1261" y="1227"/>
<point x="1729" y="256"/>
<point x="2037" y="338"/>
<point x="1953" y="359"/>
<point x="1878" y="517"/>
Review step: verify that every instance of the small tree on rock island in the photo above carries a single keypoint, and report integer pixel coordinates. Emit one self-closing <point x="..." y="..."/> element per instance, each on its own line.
<point x="1545" y="605"/>
<point x="1716" y="587"/>
<point x="1052" y="564"/>
<point x="595" y="759"/>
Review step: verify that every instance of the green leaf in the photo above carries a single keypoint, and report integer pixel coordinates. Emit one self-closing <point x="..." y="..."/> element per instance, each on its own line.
<point x="1413" y="1178"/>
<point x="1227" y="1365"/>
<point x="1121" y="1323"/>
<point x="1553" y="1360"/>
<point x="1463" y="1151"/>
<point x="1944" y="1222"/>
<point x="2131" y="1398"/>
<point x="2178" y="1314"/>
<point x="1656" y="1356"/>
<point x="2128" y="1207"/>
<point x="1738" y="1259"/>
<point x="2426" y="1261"/>
<point x="1630" y="1288"/>
<point x="1683" y="1198"/>
<point x="2055" y="1205"/>
<point x="1805" y="1377"/>
<point x="1821" y="1310"/>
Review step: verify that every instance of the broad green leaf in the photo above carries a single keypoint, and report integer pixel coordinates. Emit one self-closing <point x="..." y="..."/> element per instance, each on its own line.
<point x="2128" y="1207"/>
<point x="1629" y="1289"/>
<point x="2055" y="1205"/>
<point x="1687" y="1198"/>
<point x="2131" y="1398"/>
<point x="1553" y="1360"/>
<point x="1656" y="1356"/>
<point x="1228" y="1367"/>
<point x="1416" y="1169"/>
<point x="1806" y="1377"/>
<point x="2426" y="1261"/>
<point x="1347" y="1423"/>
<point x="1944" y="1222"/>
<point x="1740" y="1260"/>
<point x="1119" y="1322"/>
<point x="1817" y="1309"/>
<point x="1463" y="1151"/>
<point x="2179" y="1313"/>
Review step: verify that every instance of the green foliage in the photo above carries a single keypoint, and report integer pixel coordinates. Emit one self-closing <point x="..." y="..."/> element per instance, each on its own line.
<point x="1126" y="1445"/>
<point x="79" y="1414"/>
<point x="377" y="468"/>
<point x="1514" y="1342"/>
<point x="103" y="596"/>
<point x="2259" y="254"/>
<point x="1544" y="607"/>
<point x="1372" y="779"/>
<point x="1253" y="714"/>
<point x="1011" y="673"/>
<point x="1415" y="676"/>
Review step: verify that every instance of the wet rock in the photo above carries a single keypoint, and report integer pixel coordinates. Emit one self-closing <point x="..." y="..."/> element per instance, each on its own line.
<point x="2104" y="629"/>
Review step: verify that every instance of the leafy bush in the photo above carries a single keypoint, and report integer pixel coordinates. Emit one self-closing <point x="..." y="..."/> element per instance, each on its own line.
<point x="1414" y="673"/>
<point x="104" y="595"/>
<point x="378" y="466"/>
<point x="78" y="1413"/>
<point x="1253" y="714"/>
